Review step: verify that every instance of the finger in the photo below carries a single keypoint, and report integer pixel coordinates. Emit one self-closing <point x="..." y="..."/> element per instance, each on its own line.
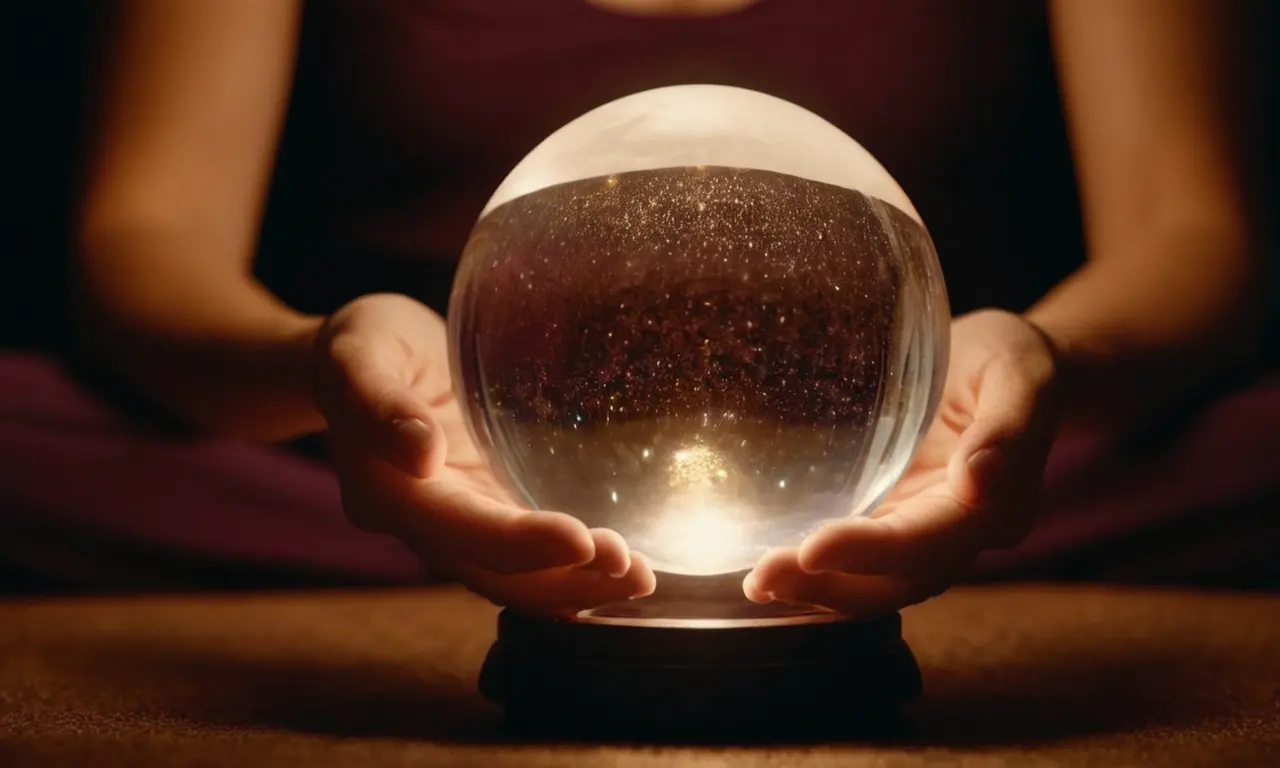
<point x="561" y="592"/>
<point x="999" y="463"/>
<point x="1011" y="432"/>
<point x="916" y="535"/>
<point x="612" y="557"/>
<point x="756" y="585"/>
<point x="855" y="596"/>
<point x="370" y="399"/>
<point x="447" y="521"/>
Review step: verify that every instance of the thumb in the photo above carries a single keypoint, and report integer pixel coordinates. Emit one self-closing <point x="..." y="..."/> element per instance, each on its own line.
<point x="1012" y="429"/>
<point x="368" y="401"/>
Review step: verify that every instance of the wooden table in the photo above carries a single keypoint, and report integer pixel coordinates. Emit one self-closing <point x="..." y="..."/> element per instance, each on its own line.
<point x="1030" y="676"/>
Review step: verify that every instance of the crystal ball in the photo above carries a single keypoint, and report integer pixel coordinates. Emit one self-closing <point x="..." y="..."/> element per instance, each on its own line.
<point x="703" y="317"/>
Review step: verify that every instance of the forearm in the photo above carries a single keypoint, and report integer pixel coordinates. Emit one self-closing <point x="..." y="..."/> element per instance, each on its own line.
<point x="209" y="345"/>
<point x="1137" y="332"/>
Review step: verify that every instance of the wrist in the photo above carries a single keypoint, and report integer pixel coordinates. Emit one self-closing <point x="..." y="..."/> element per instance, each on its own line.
<point x="290" y="372"/>
<point x="1107" y="378"/>
<point x="1076" y="361"/>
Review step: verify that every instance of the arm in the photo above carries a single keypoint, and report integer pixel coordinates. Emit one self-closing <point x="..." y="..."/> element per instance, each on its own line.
<point x="193" y="95"/>
<point x="1166" y="302"/>
<point x="1169" y="299"/>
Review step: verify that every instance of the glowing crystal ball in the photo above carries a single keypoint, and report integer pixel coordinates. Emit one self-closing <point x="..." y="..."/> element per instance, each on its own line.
<point x="702" y="317"/>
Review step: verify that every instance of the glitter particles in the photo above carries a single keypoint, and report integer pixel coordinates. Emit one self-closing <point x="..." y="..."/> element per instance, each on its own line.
<point x="665" y="345"/>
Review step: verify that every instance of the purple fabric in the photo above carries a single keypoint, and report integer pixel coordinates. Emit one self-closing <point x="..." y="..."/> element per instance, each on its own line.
<point x="92" y="500"/>
<point x="407" y="116"/>
<point x="1199" y="504"/>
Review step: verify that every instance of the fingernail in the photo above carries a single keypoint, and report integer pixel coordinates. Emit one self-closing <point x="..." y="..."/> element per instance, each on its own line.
<point x="985" y="467"/>
<point x="820" y="565"/>
<point x="594" y="567"/>
<point x="829" y="559"/>
<point x="750" y="588"/>
<point x="413" y="438"/>
<point x="622" y="570"/>
<point x="414" y="430"/>
<point x="765" y="598"/>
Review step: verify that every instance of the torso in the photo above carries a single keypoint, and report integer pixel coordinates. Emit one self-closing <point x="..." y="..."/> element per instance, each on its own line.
<point x="410" y="112"/>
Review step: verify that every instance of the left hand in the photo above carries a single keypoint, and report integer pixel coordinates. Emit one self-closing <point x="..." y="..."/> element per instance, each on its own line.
<point x="973" y="484"/>
<point x="407" y="467"/>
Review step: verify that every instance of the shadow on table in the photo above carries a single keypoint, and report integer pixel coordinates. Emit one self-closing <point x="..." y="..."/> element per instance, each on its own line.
<point x="196" y="687"/>
<point x="1082" y="691"/>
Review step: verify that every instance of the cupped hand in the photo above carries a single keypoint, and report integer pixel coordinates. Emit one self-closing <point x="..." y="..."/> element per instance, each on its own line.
<point x="407" y="467"/>
<point x="973" y="484"/>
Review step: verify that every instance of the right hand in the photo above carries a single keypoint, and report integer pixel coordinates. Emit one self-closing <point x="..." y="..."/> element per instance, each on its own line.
<point x="408" y="467"/>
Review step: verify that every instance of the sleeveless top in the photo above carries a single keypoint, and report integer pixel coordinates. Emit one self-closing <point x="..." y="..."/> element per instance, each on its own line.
<point x="407" y="114"/>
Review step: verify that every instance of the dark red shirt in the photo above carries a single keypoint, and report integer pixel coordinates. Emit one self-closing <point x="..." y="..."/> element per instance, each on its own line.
<point x="408" y="113"/>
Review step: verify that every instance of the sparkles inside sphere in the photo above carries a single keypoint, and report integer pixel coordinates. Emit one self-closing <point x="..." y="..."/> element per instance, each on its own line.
<point x="703" y="317"/>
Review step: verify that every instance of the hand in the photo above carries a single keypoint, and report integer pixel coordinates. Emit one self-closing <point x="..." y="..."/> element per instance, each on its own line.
<point x="973" y="484"/>
<point x="408" y="467"/>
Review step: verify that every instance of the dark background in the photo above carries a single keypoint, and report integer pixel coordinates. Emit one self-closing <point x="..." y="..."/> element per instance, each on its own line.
<point x="49" y="44"/>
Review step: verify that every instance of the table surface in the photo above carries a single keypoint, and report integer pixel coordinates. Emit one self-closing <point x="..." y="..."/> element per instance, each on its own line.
<point x="1026" y="676"/>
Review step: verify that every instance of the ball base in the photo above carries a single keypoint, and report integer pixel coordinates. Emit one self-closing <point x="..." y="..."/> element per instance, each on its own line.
<point x="715" y="680"/>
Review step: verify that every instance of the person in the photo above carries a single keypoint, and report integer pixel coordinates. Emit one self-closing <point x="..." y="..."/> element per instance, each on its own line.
<point x="274" y="198"/>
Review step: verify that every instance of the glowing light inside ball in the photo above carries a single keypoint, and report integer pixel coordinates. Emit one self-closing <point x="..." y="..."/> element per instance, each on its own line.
<point x="698" y="533"/>
<point x="703" y="317"/>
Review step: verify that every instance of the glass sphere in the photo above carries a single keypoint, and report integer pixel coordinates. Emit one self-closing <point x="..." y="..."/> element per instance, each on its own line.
<point x="703" y="317"/>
